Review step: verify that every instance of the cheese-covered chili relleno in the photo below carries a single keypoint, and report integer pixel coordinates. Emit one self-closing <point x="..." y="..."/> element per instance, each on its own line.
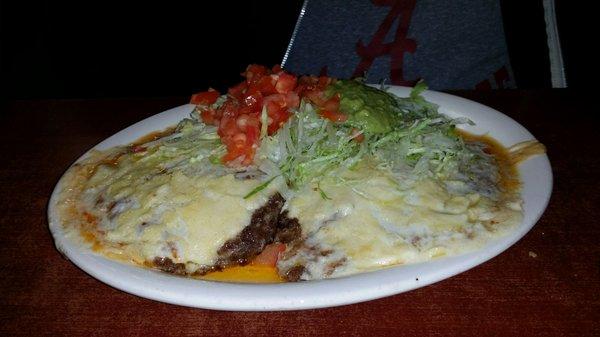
<point x="296" y="179"/>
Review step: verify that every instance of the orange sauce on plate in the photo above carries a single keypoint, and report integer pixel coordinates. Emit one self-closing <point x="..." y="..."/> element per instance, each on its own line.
<point x="245" y="274"/>
<point x="509" y="176"/>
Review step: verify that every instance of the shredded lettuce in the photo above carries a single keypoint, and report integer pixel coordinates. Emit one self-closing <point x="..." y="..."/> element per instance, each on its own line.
<point x="259" y="188"/>
<point x="423" y="143"/>
<point x="309" y="146"/>
<point x="419" y="143"/>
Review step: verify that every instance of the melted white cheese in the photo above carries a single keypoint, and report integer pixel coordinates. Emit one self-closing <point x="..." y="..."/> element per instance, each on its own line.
<point x="185" y="218"/>
<point x="371" y="223"/>
<point x="354" y="221"/>
<point x="193" y="215"/>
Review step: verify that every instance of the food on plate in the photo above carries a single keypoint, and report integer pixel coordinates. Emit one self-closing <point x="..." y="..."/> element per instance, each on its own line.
<point x="287" y="178"/>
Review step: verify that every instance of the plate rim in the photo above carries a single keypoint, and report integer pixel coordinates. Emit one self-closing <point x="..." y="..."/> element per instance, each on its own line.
<point x="298" y="295"/>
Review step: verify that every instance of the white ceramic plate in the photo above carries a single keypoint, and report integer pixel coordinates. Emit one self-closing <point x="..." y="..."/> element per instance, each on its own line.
<point x="535" y="173"/>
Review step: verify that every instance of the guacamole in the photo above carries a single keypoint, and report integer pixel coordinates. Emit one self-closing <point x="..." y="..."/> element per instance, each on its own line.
<point x="368" y="109"/>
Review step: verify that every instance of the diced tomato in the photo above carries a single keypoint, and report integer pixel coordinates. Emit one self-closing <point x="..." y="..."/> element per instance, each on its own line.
<point x="269" y="255"/>
<point x="324" y="81"/>
<point x="253" y="99"/>
<point x="266" y="85"/>
<point x="334" y="116"/>
<point x="239" y="139"/>
<point x="208" y="116"/>
<point x="292" y="100"/>
<point x="205" y="97"/>
<point x="237" y="91"/>
<point x="315" y="83"/>
<point x="312" y="88"/>
<point x="285" y="83"/>
<point x="315" y="97"/>
<point x="239" y="117"/>
<point x="357" y="135"/>
<point x="252" y="133"/>
<point x="332" y="104"/>
<point x="273" y="102"/>
<point x="254" y="72"/>
<point x="227" y="126"/>
<point x="308" y="80"/>
<point x="276" y="69"/>
<point x="242" y="122"/>
<point x="276" y="105"/>
<point x="138" y="149"/>
<point x="232" y="153"/>
<point x="230" y="108"/>
<point x="279" y="119"/>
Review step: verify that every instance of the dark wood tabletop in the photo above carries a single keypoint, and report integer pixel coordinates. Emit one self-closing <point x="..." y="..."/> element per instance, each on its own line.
<point x="547" y="284"/>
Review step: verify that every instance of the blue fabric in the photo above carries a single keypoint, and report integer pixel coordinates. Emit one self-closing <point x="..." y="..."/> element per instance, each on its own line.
<point x="451" y="44"/>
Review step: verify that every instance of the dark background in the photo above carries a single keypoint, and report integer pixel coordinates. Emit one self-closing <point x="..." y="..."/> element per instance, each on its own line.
<point x="98" y="49"/>
<point x="111" y="48"/>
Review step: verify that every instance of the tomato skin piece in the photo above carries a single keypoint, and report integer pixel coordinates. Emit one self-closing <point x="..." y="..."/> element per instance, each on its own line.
<point x="205" y="97"/>
<point x="269" y="255"/>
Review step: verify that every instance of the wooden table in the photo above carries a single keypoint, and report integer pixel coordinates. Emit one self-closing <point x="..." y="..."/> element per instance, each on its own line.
<point x="548" y="284"/>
